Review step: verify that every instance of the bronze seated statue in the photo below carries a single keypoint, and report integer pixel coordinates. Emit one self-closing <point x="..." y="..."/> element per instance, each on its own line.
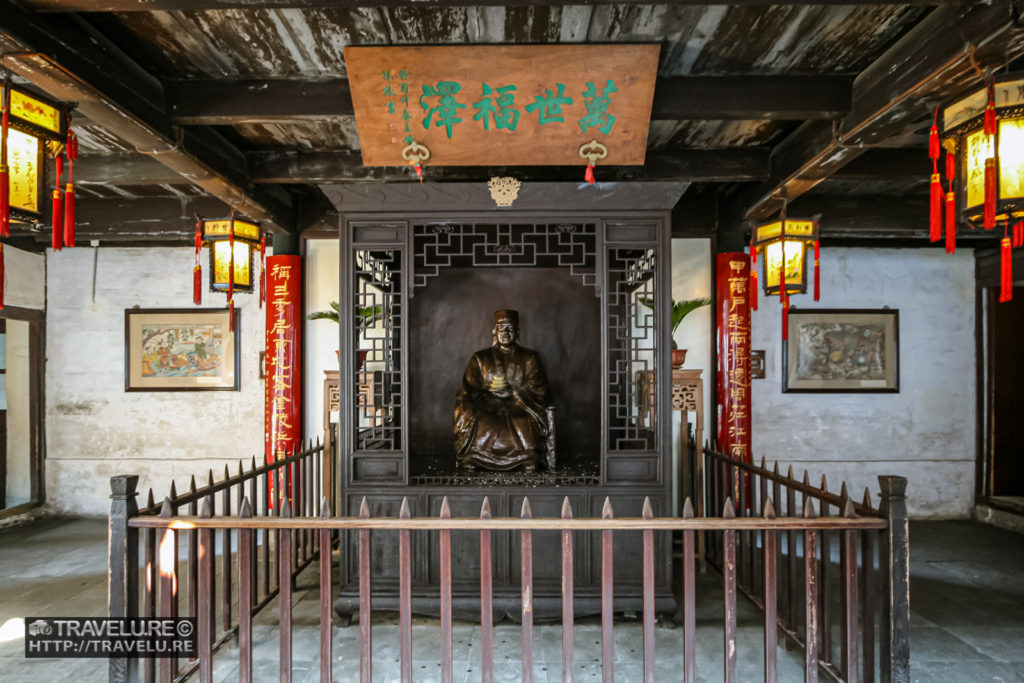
<point x="502" y="417"/>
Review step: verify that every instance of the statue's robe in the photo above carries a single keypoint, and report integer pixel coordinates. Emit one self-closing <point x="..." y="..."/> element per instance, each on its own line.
<point x="495" y="433"/>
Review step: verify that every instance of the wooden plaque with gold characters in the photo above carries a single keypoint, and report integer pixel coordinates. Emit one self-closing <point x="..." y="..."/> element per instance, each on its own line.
<point x="502" y="105"/>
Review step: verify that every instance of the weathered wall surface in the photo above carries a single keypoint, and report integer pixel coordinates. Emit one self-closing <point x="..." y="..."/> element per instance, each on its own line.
<point x="94" y="429"/>
<point x="926" y="432"/>
<point x="25" y="274"/>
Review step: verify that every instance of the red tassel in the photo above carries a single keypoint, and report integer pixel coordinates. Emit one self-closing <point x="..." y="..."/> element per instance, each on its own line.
<point x="753" y="276"/>
<point x="935" y="209"/>
<point x="71" y="149"/>
<point x="263" y="269"/>
<point x="197" y="270"/>
<point x="935" y="206"/>
<point x="817" y="271"/>
<point x="950" y="223"/>
<point x="1018" y="234"/>
<point x="1005" y="270"/>
<point x="753" y="289"/>
<point x="197" y="284"/>
<point x="782" y="268"/>
<point x="589" y="175"/>
<point x="785" y="320"/>
<point x="3" y="280"/>
<point x="231" y="262"/>
<point x="231" y="315"/>
<point x="934" y="150"/>
<point x="57" y="241"/>
<point x="69" y="216"/>
<point x="990" y="194"/>
<point x="5" y="201"/>
<point x="5" y="176"/>
<point x="990" y="163"/>
<point x="419" y="171"/>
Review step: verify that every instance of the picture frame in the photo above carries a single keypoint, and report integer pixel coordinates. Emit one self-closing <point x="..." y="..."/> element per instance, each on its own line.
<point x="841" y="350"/>
<point x="180" y="349"/>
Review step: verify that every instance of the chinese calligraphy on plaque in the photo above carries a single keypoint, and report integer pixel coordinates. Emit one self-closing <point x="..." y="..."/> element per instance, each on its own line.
<point x="484" y="105"/>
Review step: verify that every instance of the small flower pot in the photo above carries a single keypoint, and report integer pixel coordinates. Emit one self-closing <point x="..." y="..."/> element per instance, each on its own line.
<point x="678" y="358"/>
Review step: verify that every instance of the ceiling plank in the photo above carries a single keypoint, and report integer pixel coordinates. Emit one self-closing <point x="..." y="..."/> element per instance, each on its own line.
<point x="124" y="169"/>
<point x="201" y="5"/>
<point x="69" y="60"/>
<point x="329" y="166"/>
<point x="144" y="219"/>
<point x="752" y="97"/>
<point x="878" y="219"/>
<point x="893" y="97"/>
<point x="233" y="102"/>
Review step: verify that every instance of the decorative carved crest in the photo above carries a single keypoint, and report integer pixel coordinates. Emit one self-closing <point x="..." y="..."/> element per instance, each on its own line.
<point x="504" y="190"/>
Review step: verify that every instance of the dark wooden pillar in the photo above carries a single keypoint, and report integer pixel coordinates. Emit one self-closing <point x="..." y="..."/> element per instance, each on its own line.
<point x="895" y="637"/>
<point x="123" y="566"/>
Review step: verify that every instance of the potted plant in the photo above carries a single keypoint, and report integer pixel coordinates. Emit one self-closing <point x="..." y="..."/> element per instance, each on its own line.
<point x="680" y="309"/>
<point x="367" y="313"/>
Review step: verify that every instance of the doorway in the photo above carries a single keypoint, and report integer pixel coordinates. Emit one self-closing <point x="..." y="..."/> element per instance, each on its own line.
<point x="1003" y="483"/>
<point x="21" y="410"/>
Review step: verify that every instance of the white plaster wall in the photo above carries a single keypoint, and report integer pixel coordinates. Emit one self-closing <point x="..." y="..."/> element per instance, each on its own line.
<point x="19" y="481"/>
<point x="25" y="274"/>
<point x="321" y="336"/>
<point x="926" y="432"/>
<point x="691" y="278"/>
<point x="94" y="429"/>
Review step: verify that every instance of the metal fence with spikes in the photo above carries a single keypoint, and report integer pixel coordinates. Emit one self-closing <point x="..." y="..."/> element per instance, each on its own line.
<point x="731" y="536"/>
<point x="292" y="485"/>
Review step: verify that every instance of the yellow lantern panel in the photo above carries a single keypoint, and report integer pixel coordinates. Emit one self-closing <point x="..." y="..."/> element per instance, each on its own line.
<point x="36" y="112"/>
<point x="221" y="264"/>
<point x="796" y="278"/>
<point x="23" y="161"/>
<point x="243" y="229"/>
<point x="794" y="228"/>
<point x="1011" y="158"/>
<point x="979" y="148"/>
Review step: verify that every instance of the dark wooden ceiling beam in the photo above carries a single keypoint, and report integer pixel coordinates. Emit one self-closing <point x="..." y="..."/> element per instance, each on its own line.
<point x="744" y="164"/>
<point x="892" y="98"/>
<point x="201" y="5"/>
<point x="233" y="102"/>
<point x="69" y="60"/>
<point x="319" y="167"/>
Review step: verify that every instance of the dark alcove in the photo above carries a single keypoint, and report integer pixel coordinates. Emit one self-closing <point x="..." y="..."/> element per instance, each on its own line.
<point x="559" y="317"/>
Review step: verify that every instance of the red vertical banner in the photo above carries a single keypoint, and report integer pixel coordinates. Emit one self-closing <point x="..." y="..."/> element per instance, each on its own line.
<point x="283" y="361"/>
<point x="733" y="295"/>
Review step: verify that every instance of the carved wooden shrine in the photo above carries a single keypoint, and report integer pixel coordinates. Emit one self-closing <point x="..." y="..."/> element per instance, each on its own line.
<point x="417" y="292"/>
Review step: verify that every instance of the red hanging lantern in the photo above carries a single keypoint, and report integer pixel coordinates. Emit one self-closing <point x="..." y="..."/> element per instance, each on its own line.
<point x="983" y="134"/>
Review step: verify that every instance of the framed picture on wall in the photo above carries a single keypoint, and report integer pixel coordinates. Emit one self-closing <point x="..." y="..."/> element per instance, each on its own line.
<point x="180" y="349"/>
<point x="842" y="351"/>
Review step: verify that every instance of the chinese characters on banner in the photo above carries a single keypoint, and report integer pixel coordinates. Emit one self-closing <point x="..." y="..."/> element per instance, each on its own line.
<point x="734" y="356"/>
<point x="512" y="104"/>
<point x="283" y="399"/>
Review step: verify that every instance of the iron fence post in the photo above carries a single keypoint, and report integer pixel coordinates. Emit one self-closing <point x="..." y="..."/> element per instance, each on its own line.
<point x="895" y="643"/>
<point x="122" y="566"/>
